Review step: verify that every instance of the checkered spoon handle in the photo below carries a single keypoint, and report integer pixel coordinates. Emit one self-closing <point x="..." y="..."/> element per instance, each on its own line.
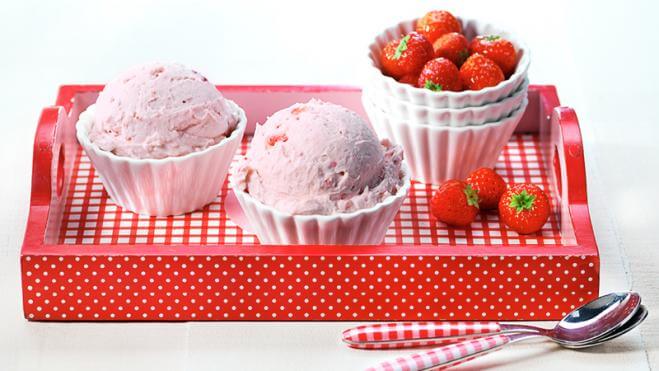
<point x="446" y="356"/>
<point x="413" y="334"/>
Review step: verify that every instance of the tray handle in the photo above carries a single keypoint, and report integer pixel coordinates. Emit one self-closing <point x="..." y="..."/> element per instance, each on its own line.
<point x="46" y="148"/>
<point x="570" y="175"/>
<point x="571" y="161"/>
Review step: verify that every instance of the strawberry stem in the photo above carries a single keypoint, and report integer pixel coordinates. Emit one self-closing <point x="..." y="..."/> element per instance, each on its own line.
<point x="522" y="201"/>
<point x="432" y="86"/>
<point x="401" y="47"/>
<point x="472" y="196"/>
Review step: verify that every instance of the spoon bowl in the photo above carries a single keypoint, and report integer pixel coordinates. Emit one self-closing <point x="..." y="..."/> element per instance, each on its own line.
<point x="640" y="316"/>
<point x="590" y="321"/>
<point x="596" y="318"/>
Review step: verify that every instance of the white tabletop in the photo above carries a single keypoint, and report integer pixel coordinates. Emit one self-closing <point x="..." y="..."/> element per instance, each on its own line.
<point x="599" y="56"/>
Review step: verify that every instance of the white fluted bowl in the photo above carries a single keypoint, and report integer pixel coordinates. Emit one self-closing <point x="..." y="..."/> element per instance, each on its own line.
<point x="454" y="117"/>
<point x="438" y="153"/>
<point x="362" y="227"/>
<point x="376" y="80"/>
<point x="162" y="187"/>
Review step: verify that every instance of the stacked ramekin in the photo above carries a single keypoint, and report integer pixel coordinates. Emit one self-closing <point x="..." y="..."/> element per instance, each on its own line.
<point x="445" y="135"/>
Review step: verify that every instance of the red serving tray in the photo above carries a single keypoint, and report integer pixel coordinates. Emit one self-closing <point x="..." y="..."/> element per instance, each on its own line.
<point x="84" y="258"/>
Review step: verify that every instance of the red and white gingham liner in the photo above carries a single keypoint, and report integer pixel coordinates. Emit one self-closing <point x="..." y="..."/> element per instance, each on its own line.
<point x="448" y="356"/>
<point x="90" y="216"/>
<point x="415" y="334"/>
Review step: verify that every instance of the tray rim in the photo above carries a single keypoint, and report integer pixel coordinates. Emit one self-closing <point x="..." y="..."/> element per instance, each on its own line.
<point x="44" y="153"/>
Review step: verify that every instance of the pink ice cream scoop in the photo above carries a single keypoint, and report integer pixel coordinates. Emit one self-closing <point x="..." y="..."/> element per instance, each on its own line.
<point x="319" y="158"/>
<point x="158" y="111"/>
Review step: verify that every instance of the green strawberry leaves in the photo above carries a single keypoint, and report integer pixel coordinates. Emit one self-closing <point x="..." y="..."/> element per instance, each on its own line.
<point x="472" y="196"/>
<point x="401" y="47"/>
<point x="522" y="201"/>
<point x="432" y="86"/>
<point x="492" y="37"/>
<point x="463" y="54"/>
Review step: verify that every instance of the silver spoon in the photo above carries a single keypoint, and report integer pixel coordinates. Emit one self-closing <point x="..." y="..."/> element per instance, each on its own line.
<point x="588" y="325"/>
<point x="611" y="310"/>
<point x="592" y="320"/>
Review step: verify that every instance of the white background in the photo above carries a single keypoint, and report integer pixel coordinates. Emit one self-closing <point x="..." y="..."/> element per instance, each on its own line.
<point x="601" y="55"/>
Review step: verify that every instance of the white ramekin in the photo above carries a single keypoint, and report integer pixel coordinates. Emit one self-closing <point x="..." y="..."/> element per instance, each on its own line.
<point x="445" y="99"/>
<point x="438" y="153"/>
<point x="162" y="187"/>
<point x="362" y="227"/>
<point x="455" y="117"/>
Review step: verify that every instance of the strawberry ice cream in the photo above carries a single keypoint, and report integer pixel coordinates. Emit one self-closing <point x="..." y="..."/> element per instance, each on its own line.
<point x="161" y="138"/>
<point x="160" y="110"/>
<point x="319" y="158"/>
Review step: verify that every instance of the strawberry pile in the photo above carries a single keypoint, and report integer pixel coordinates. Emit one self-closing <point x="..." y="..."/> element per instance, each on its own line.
<point x="524" y="208"/>
<point x="437" y="56"/>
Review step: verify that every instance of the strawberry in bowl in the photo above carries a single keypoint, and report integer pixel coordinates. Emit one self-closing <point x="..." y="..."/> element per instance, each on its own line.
<point x="440" y="74"/>
<point x="437" y="23"/>
<point x="479" y="72"/>
<point x="452" y="46"/>
<point x="498" y="50"/>
<point x="406" y="56"/>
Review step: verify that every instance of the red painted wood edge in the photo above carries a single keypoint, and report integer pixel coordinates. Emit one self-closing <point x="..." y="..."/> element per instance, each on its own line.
<point x="574" y="155"/>
<point x="575" y="174"/>
<point x="35" y="232"/>
<point x="42" y="161"/>
<point x="43" y="156"/>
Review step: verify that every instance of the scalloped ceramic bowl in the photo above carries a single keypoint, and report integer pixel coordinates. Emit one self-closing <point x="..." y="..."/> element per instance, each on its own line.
<point x="454" y="117"/>
<point x="438" y="153"/>
<point x="167" y="186"/>
<point x="361" y="227"/>
<point x="445" y="99"/>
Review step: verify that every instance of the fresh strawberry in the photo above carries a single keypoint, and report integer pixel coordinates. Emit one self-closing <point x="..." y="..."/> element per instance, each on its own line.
<point x="524" y="208"/>
<point x="455" y="203"/>
<point x="479" y="72"/>
<point x="489" y="185"/>
<point x="410" y="79"/>
<point x="499" y="50"/>
<point x="453" y="46"/>
<point x="440" y="74"/>
<point x="436" y="23"/>
<point x="406" y="56"/>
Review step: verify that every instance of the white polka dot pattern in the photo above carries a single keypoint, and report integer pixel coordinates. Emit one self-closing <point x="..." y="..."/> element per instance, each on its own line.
<point x="306" y="287"/>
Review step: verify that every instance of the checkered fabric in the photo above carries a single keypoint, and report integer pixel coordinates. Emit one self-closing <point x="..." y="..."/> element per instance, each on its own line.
<point x="90" y="216"/>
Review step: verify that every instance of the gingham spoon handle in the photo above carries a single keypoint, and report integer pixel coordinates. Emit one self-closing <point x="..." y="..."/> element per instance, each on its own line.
<point x="446" y="356"/>
<point x="410" y="334"/>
